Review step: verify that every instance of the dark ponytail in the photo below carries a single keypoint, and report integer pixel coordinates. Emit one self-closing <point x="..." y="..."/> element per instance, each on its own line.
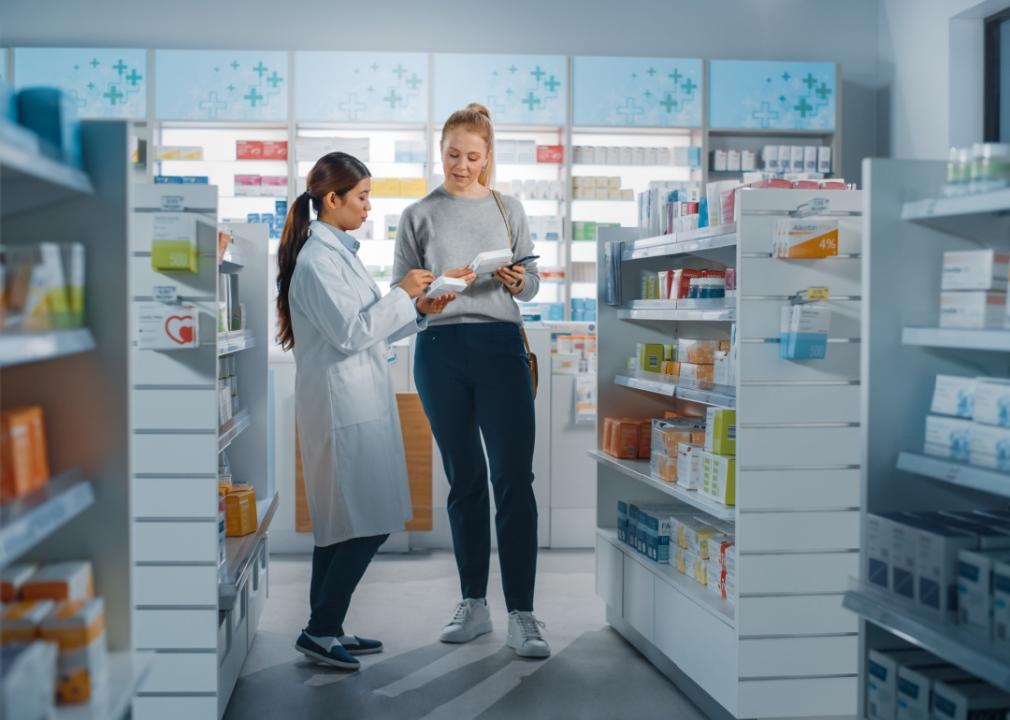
<point x="335" y="172"/>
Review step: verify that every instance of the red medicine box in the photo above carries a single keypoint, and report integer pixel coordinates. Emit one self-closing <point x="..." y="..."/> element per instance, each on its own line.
<point x="248" y="150"/>
<point x="275" y="150"/>
<point x="550" y="153"/>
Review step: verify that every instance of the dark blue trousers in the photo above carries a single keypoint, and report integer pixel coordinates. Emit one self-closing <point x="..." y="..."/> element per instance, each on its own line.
<point x="474" y="381"/>
<point x="336" y="571"/>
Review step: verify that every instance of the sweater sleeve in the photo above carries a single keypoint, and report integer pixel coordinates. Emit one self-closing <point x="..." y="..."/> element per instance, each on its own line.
<point x="406" y="256"/>
<point x="522" y="246"/>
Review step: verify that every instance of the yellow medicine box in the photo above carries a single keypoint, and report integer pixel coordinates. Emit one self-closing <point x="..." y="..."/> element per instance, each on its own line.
<point x="720" y="431"/>
<point x="651" y="357"/>
<point x="61" y="581"/>
<point x="386" y="187"/>
<point x="240" y="512"/>
<point x="174" y="256"/>
<point x="718" y="477"/>
<point x="22" y="620"/>
<point x="78" y="627"/>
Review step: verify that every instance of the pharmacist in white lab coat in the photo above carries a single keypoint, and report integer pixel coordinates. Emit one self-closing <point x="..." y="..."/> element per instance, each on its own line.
<point x="340" y="327"/>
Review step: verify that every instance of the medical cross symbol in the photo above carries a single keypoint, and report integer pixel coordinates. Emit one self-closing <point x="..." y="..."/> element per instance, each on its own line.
<point x="823" y="91"/>
<point x="253" y="97"/>
<point x="234" y="64"/>
<point x="804" y="108"/>
<point x="212" y="105"/>
<point x="120" y="67"/>
<point x="669" y="103"/>
<point x="538" y="73"/>
<point x="531" y="100"/>
<point x="630" y="111"/>
<point x="275" y="80"/>
<point x="690" y="86"/>
<point x="513" y="69"/>
<point x="260" y="69"/>
<point x="374" y="67"/>
<point x="91" y="86"/>
<point x="134" y="77"/>
<point x="552" y="83"/>
<point x="765" y="115"/>
<point x="648" y="93"/>
<point x="113" y="95"/>
<point x="413" y="81"/>
<point x="352" y="106"/>
<point x="651" y="71"/>
<point x="393" y="99"/>
<point x="786" y="76"/>
<point x="809" y="81"/>
<point x="399" y="71"/>
<point x="676" y="75"/>
<point x="95" y="63"/>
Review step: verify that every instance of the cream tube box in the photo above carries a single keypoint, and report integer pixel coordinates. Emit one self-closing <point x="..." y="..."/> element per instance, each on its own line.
<point x="936" y="568"/>
<point x="770" y="158"/>
<point x="975" y="589"/>
<point x="972" y="309"/>
<point x="824" y="160"/>
<point x="915" y="688"/>
<point x="955" y="395"/>
<point x="796" y="158"/>
<point x="810" y="159"/>
<point x="974" y="270"/>
<point x="882" y="668"/>
<point x="992" y="406"/>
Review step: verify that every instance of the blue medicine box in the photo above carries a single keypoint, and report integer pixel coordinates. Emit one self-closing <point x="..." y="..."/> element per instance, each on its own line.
<point x="52" y="115"/>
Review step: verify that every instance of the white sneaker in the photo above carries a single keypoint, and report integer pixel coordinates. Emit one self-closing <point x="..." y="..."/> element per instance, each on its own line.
<point x="524" y="635"/>
<point x="471" y="619"/>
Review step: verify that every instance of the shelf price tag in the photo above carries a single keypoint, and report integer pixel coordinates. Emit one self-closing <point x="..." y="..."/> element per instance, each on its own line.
<point x="806" y="239"/>
<point x="168" y="294"/>
<point x="803" y="332"/>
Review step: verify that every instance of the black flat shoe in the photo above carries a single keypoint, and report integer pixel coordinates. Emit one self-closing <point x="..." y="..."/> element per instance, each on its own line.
<point x="337" y="656"/>
<point x="362" y="646"/>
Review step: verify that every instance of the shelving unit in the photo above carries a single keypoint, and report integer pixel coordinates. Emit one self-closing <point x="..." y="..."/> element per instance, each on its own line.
<point x="231" y="429"/>
<point x="32" y="518"/>
<point x="127" y="670"/>
<point x="32" y="180"/>
<point x="903" y="352"/>
<point x="235" y="341"/>
<point x="21" y="348"/>
<point x="786" y="648"/>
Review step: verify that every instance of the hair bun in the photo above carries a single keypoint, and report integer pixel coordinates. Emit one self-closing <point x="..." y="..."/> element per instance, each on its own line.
<point x="478" y="108"/>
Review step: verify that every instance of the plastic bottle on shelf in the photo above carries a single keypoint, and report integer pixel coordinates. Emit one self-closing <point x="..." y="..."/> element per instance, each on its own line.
<point x="995" y="166"/>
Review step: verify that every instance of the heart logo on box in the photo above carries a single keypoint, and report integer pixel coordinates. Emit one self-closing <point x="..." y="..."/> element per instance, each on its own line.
<point x="180" y="329"/>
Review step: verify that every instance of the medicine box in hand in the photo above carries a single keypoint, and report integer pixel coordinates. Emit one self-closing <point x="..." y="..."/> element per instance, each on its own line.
<point x="487" y="263"/>
<point x="445" y="285"/>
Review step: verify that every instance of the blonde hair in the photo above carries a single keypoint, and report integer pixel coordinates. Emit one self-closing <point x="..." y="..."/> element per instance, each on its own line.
<point x="476" y="119"/>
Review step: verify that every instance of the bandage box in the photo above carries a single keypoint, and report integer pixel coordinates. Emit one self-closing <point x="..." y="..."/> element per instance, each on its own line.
<point x="810" y="159"/>
<point x="78" y="627"/>
<point x="975" y="270"/>
<point x="992" y="401"/>
<point x="975" y="589"/>
<point x="824" y="160"/>
<point x="936" y="568"/>
<point x="689" y="466"/>
<point x="990" y="447"/>
<point x="22" y="620"/>
<point x="955" y="395"/>
<point x="915" y="689"/>
<point x="696" y="375"/>
<point x="968" y="701"/>
<point x="718" y="477"/>
<point x="12" y="578"/>
<point x="948" y="437"/>
<point x="240" y="512"/>
<point x="972" y="309"/>
<point x="71" y="580"/>
<point x="699" y="352"/>
<point x="720" y="431"/>
<point x="882" y="668"/>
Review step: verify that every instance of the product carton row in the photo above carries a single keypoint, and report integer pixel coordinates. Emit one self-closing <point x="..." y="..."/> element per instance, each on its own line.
<point x="971" y="421"/>
<point x="973" y="289"/>
<point x="41" y="287"/>
<point x="680" y="156"/>
<point x="600" y="187"/>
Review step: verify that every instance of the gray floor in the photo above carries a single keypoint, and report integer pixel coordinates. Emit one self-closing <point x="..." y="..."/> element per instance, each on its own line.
<point x="404" y="600"/>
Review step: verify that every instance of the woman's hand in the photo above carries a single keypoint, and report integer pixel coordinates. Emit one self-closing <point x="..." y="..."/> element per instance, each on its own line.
<point x="513" y="277"/>
<point x="427" y="306"/>
<point x="416" y="282"/>
<point x="464" y="273"/>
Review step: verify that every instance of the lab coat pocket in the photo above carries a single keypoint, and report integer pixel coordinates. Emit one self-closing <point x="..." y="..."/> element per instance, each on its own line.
<point x="353" y="397"/>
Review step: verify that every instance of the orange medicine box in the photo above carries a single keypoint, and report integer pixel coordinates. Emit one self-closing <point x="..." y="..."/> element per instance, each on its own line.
<point x="22" y="620"/>
<point x="78" y="627"/>
<point x="240" y="512"/>
<point x="699" y="352"/>
<point x="12" y="578"/>
<point x="644" y="438"/>
<point x="605" y="446"/>
<point x="626" y="437"/>
<point x="61" y="581"/>
<point x="25" y="466"/>
<point x="668" y="434"/>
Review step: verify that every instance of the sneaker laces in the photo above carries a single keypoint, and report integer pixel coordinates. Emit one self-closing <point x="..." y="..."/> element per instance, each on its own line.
<point x="530" y="626"/>
<point x="461" y="614"/>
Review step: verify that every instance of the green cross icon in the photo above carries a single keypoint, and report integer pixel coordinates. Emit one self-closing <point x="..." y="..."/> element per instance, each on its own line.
<point x="352" y="106"/>
<point x="531" y="100"/>
<point x="669" y="103"/>
<point x="393" y="99"/>
<point x="134" y="77"/>
<point x="231" y="88"/>
<point x="275" y="80"/>
<point x="676" y="75"/>
<point x="113" y="95"/>
<point x="91" y="86"/>
<point x="552" y="83"/>
<point x="648" y="93"/>
<point x="399" y="71"/>
<point x="630" y="111"/>
<point x="782" y="98"/>
<point x="508" y="91"/>
<point x="786" y="76"/>
<point x="77" y="67"/>
<point x="371" y="88"/>
<point x="804" y="108"/>
<point x="234" y="65"/>
<point x="809" y="81"/>
<point x="823" y="91"/>
<point x="95" y="63"/>
<point x="253" y="97"/>
<point x="765" y="115"/>
<point x="651" y="71"/>
<point x="374" y="66"/>
<point x="690" y="86"/>
<point x="413" y="82"/>
<point x="120" y="67"/>
<point x="212" y="105"/>
<point x="538" y="73"/>
<point x="217" y="68"/>
<point x="513" y="69"/>
<point x="260" y="69"/>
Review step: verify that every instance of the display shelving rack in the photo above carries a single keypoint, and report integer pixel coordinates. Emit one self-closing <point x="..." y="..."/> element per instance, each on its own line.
<point x="198" y="617"/>
<point x="785" y="648"/>
<point x="908" y="227"/>
<point x="77" y="378"/>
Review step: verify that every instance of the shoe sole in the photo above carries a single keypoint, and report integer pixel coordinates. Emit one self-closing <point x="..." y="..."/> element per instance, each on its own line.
<point x="534" y="655"/>
<point x="323" y="660"/>
<point x="481" y="630"/>
<point x="364" y="652"/>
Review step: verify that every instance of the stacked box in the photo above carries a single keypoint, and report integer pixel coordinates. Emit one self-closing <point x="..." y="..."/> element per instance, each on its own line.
<point x="78" y="627"/>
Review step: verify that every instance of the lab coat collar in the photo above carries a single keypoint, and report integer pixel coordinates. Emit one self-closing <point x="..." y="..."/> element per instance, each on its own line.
<point x="328" y="237"/>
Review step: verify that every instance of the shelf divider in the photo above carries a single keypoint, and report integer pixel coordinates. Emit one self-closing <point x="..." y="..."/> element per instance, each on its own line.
<point x="955" y="473"/>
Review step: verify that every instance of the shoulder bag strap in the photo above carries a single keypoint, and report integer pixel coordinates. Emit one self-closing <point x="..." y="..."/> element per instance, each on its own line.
<point x="508" y="230"/>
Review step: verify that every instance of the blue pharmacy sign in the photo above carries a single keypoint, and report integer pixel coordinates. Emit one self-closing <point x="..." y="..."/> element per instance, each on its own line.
<point x="637" y="92"/>
<point x="104" y="83"/>
<point x="758" y="95"/>
<point x="361" y="87"/>
<point x="237" y="85"/>
<point x="517" y="89"/>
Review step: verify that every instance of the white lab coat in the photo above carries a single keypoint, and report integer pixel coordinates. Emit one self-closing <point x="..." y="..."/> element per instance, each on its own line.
<point x="345" y="404"/>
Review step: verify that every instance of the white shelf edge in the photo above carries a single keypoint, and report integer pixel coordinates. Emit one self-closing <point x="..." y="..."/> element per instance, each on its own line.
<point x="127" y="671"/>
<point x="232" y="342"/>
<point x="228" y="586"/>
<point x="685" y="243"/>
<point x="706" y="397"/>
<point x="671" y="388"/>
<point x="23" y="348"/>
<point x="942" y="640"/>
<point x="232" y="429"/>
<point x="30" y="519"/>
<point x="656" y="387"/>
<point x="718" y="608"/>
<point x="957" y="338"/>
<point x="948" y="207"/>
<point x="44" y="169"/>
<point x="639" y="470"/>
<point x="955" y="473"/>
<point x="677" y="315"/>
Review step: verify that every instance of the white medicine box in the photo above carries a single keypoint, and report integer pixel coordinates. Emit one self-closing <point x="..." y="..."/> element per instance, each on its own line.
<point x="882" y="668"/>
<point x="936" y="569"/>
<point x="954" y="395"/>
<point x="1001" y="603"/>
<point x="915" y="688"/>
<point x="975" y="270"/>
<point x="992" y="405"/>
<point x="975" y="589"/>
<point x="972" y="309"/>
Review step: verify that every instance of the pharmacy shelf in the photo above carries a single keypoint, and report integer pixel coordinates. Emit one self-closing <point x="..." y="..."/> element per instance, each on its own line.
<point x="667" y="388"/>
<point x="239" y="551"/>
<point x="32" y="518"/>
<point x="672" y="313"/>
<point x="955" y="473"/>
<point x="21" y="348"/>
<point x="957" y="338"/>
<point x="685" y="243"/>
<point x="639" y="470"/>
<point x="769" y="132"/>
<point x="947" y="641"/>
<point x="232" y="262"/>
<point x="988" y="203"/>
<point x="30" y="180"/>
<point x="712" y="398"/>
<point x="114" y="698"/>
<point x="232" y="342"/>
<point x="720" y="609"/>
<point x="231" y="429"/>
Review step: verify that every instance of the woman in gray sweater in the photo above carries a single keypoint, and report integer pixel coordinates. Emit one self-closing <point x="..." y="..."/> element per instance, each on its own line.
<point x="473" y="376"/>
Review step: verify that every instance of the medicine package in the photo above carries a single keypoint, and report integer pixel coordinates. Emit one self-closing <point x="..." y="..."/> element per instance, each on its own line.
<point x="444" y="285"/>
<point x="486" y="263"/>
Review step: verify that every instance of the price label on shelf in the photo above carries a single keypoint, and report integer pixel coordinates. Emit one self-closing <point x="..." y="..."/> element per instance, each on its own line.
<point x="166" y="293"/>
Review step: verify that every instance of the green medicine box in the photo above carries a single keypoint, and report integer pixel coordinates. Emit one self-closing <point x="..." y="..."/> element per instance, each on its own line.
<point x="720" y="431"/>
<point x="651" y="358"/>
<point x="174" y="256"/>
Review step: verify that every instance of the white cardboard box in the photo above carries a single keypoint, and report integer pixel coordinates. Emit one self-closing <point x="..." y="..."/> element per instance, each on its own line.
<point x="992" y="406"/>
<point x="990" y="447"/>
<point x="962" y="702"/>
<point x="972" y="309"/>
<point x="915" y="688"/>
<point x="975" y="270"/>
<point x="975" y="589"/>
<point x="954" y="395"/>
<point x="948" y="437"/>
<point x="936" y="568"/>
<point x="882" y="668"/>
